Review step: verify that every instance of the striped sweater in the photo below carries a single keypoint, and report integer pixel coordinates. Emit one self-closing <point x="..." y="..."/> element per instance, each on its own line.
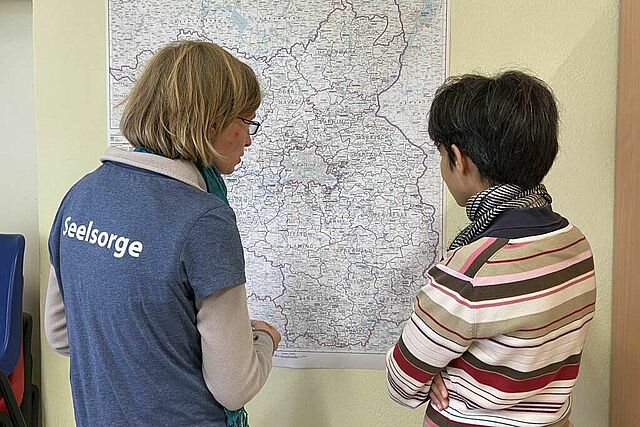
<point x="504" y="320"/>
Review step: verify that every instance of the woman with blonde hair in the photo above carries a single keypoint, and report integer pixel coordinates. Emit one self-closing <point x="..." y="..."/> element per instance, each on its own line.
<point x="147" y="286"/>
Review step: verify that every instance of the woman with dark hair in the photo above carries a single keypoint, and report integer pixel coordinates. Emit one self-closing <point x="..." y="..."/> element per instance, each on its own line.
<point x="498" y="330"/>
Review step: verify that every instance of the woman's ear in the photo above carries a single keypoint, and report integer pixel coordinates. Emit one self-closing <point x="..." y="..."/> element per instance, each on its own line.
<point x="460" y="161"/>
<point x="466" y="168"/>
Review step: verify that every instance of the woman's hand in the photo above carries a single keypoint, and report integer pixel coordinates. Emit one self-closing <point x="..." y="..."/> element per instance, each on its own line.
<point x="264" y="326"/>
<point x="438" y="392"/>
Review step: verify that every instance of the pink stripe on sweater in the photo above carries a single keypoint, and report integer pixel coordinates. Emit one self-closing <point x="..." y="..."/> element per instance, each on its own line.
<point x="511" y="301"/>
<point x="477" y="253"/>
<point x="531" y="274"/>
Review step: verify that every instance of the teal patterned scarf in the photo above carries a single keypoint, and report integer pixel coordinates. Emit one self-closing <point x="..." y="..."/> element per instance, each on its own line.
<point x="215" y="183"/>
<point x="217" y="187"/>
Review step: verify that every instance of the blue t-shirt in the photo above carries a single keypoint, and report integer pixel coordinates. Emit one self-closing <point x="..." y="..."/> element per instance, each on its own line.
<point x="133" y="250"/>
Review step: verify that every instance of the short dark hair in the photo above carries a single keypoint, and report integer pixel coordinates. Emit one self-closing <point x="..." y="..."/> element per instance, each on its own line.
<point x="507" y="125"/>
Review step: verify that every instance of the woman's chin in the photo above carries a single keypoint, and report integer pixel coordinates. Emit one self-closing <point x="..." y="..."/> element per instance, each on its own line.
<point x="226" y="169"/>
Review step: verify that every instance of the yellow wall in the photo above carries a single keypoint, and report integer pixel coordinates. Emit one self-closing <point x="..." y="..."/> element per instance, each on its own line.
<point x="69" y="62"/>
<point x="571" y="44"/>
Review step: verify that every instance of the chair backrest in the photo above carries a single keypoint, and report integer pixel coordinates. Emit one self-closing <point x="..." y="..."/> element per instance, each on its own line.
<point x="11" y="283"/>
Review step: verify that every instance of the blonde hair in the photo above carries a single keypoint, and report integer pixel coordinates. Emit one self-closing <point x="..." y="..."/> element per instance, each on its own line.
<point x="188" y="93"/>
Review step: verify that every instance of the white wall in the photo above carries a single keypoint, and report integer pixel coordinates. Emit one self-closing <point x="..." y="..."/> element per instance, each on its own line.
<point x="18" y="154"/>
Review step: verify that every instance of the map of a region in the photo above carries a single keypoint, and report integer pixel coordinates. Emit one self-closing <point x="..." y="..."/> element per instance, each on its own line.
<point x="339" y="199"/>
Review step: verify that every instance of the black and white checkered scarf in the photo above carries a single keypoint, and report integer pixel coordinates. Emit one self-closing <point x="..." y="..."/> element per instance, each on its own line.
<point x="484" y="208"/>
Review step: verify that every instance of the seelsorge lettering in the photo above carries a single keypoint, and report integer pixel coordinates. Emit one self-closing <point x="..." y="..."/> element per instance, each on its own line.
<point x="88" y="233"/>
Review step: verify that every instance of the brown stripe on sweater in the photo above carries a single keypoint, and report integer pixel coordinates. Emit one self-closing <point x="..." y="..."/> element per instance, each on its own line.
<point x="518" y="375"/>
<point x="414" y="361"/>
<point x="437" y="419"/>
<point x="511" y="289"/>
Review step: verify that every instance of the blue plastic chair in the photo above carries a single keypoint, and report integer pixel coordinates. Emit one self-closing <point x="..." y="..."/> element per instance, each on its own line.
<point x="11" y="321"/>
<point x="11" y="280"/>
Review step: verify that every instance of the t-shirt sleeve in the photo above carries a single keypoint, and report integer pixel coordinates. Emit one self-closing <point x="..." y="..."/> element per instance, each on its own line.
<point x="212" y="254"/>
